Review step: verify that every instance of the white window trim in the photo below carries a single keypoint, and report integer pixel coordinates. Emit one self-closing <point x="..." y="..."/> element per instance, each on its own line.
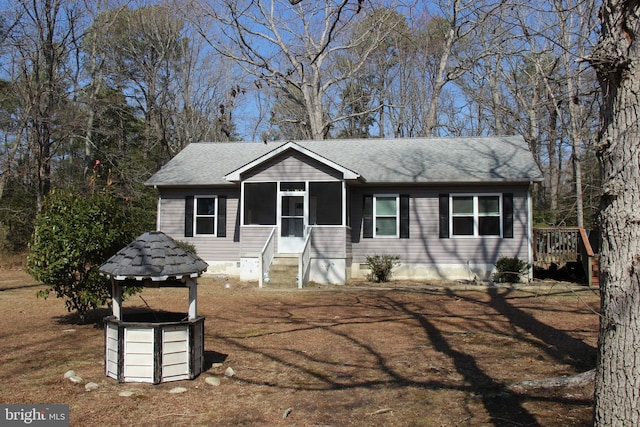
<point x="476" y="216"/>
<point x="196" y="216"/>
<point x="375" y="217"/>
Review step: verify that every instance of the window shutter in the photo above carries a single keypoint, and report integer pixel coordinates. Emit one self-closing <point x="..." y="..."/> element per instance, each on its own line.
<point x="222" y="216"/>
<point x="188" y="216"/>
<point x="444" y="215"/>
<point x="367" y="217"/>
<point x="404" y="216"/>
<point x="507" y="215"/>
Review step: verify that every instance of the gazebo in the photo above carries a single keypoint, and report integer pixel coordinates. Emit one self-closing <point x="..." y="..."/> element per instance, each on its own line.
<point x="153" y="347"/>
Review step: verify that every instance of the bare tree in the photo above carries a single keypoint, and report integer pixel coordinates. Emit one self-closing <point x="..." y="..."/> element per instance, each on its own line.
<point x="434" y="55"/>
<point x="41" y="43"/>
<point x="616" y="60"/>
<point x="153" y="56"/>
<point x="292" y="48"/>
<point x="572" y="33"/>
<point x="528" y="80"/>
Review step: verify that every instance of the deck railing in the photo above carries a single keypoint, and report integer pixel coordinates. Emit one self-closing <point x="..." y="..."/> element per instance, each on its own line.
<point x="555" y="245"/>
<point x="559" y="245"/>
<point x="588" y="257"/>
<point x="266" y="256"/>
<point x="304" y="260"/>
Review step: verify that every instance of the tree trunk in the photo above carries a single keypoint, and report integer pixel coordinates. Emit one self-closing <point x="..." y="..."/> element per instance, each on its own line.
<point x="441" y="79"/>
<point x="574" y="86"/>
<point x="48" y="100"/>
<point x="616" y="60"/>
<point x="554" y="167"/>
<point x="583" y="379"/>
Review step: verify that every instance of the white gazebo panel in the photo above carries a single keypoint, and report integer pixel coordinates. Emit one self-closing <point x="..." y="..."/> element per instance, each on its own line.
<point x="175" y="353"/>
<point x="111" y="356"/>
<point x="138" y="355"/>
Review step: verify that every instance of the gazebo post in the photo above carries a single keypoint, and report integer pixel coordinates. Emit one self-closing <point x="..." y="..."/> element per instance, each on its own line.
<point x="116" y="300"/>
<point x="193" y="297"/>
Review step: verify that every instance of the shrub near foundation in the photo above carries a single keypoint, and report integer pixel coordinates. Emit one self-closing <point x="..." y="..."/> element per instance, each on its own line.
<point x="509" y="270"/>
<point x="380" y="267"/>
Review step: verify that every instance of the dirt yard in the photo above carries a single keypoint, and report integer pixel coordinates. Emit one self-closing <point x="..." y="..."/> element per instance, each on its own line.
<point x="410" y="354"/>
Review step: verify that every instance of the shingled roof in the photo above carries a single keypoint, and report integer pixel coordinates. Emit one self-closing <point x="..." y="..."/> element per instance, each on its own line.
<point x="153" y="255"/>
<point x="404" y="160"/>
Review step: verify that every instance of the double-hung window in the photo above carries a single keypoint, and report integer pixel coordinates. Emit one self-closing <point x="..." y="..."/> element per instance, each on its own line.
<point x="476" y="215"/>
<point x="385" y="216"/>
<point x="205" y="215"/>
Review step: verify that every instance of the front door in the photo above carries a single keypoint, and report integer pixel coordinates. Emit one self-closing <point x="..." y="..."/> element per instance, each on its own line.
<point x="292" y="221"/>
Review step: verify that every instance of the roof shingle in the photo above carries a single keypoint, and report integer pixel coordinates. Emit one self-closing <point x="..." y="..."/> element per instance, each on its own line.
<point x="418" y="160"/>
<point x="153" y="255"/>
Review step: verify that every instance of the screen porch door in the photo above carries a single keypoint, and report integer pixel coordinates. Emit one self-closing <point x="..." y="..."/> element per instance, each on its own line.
<point x="292" y="219"/>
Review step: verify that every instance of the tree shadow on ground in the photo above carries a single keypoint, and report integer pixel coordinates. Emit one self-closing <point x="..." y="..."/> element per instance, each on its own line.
<point x="504" y="408"/>
<point x="377" y="369"/>
<point x="561" y="346"/>
<point x="95" y="317"/>
<point x="13" y="288"/>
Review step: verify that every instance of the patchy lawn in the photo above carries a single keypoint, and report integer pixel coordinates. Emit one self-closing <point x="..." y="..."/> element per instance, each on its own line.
<point x="408" y="354"/>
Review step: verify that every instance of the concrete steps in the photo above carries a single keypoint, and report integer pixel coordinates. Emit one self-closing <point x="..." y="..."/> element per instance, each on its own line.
<point x="283" y="272"/>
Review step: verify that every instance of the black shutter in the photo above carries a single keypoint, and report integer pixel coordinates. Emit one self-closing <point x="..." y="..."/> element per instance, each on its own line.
<point x="222" y="216"/>
<point x="188" y="216"/>
<point x="404" y="216"/>
<point x="444" y="215"/>
<point x="367" y="217"/>
<point x="507" y="215"/>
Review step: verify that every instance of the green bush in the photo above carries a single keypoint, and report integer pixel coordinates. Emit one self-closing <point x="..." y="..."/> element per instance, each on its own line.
<point x="510" y="269"/>
<point x="73" y="236"/>
<point x="188" y="247"/>
<point x="380" y="267"/>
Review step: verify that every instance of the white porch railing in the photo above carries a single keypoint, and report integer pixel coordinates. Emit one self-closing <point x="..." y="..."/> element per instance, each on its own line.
<point x="266" y="256"/>
<point x="304" y="260"/>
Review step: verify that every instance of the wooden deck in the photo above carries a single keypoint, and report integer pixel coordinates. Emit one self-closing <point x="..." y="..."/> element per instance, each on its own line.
<point x="561" y="245"/>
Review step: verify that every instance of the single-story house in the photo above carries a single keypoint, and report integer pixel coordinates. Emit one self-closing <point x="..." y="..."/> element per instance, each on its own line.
<point x="448" y="207"/>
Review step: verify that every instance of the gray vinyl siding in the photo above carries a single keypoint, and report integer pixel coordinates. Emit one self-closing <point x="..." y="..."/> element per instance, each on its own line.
<point x="253" y="239"/>
<point x="292" y="166"/>
<point x="329" y="241"/>
<point x="209" y="248"/>
<point x="424" y="244"/>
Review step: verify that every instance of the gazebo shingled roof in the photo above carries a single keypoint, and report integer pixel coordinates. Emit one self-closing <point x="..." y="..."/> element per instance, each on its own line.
<point x="155" y="256"/>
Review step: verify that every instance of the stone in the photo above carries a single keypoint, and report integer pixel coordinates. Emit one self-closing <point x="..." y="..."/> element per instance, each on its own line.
<point x="216" y="365"/>
<point x="91" y="386"/>
<point x="212" y="380"/>
<point x="70" y="373"/>
<point x="177" y="390"/>
<point x="229" y="372"/>
<point x="76" y="379"/>
<point x="125" y="393"/>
